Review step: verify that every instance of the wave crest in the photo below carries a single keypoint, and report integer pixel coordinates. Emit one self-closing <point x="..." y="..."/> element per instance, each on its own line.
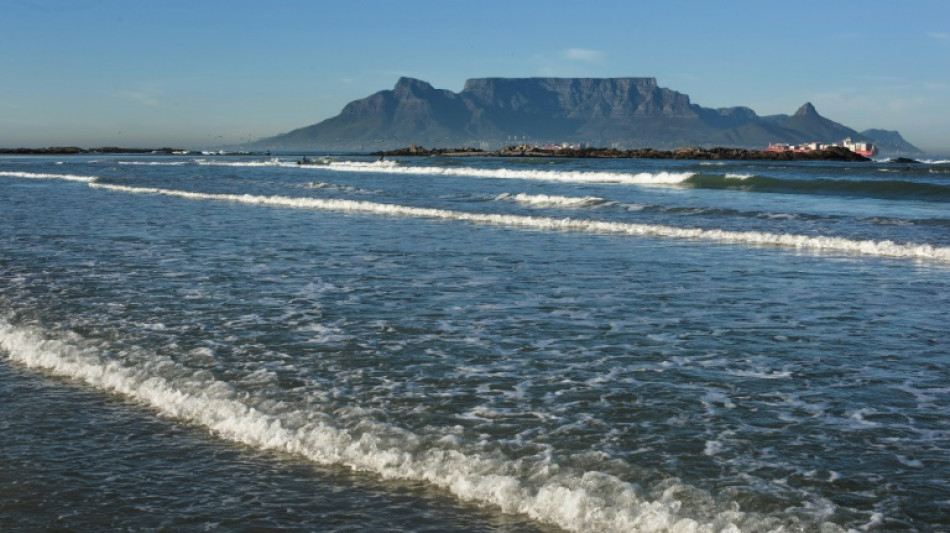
<point x="392" y="167"/>
<point x="756" y="238"/>
<point x="573" y="500"/>
<point x="34" y="175"/>
<point x="546" y="200"/>
<point x="924" y="252"/>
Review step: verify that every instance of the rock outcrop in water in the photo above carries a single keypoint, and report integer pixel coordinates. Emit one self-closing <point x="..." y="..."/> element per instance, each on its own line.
<point x="622" y="113"/>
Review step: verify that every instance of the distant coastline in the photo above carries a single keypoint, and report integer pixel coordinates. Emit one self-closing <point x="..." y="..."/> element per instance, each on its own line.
<point x="695" y="153"/>
<point x="73" y="150"/>
<point x="834" y="153"/>
<point x="624" y="112"/>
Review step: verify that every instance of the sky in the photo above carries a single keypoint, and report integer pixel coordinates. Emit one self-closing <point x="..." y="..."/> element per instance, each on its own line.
<point x="206" y="73"/>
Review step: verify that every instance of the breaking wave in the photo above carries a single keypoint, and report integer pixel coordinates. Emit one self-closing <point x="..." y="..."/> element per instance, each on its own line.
<point x="755" y="238"/>
<point x="546" y="200"/>
<point x="34" y="175"/>
<point x="273" y="162"/>
<point x="392" y="167"/>
<point x="572" y="499"/>
<point x="155" y="163"/>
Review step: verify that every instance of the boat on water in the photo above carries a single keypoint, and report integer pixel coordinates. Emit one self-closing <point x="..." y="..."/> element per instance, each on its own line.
<point x="866" y="149"/>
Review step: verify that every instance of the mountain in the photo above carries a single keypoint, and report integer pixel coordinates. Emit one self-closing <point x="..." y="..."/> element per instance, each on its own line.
<point x="603" y="112"/>
<point x="890" y="141"/>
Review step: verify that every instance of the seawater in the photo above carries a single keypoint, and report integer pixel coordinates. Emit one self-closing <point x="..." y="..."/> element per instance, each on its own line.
<point x="241" y="343"/>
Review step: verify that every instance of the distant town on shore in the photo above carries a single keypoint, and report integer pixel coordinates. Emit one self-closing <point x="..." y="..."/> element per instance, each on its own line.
<point x="831" y="153"/>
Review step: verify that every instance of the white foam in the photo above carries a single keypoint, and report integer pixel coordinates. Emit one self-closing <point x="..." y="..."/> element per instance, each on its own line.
<point x="858" y="421"/>
<point x="33" y="175"/>
<point x="877" y="520"/>
<point x="713" y="447"/>
<point x="156" y="163"/>
<point x="273" y="162"/>
<point x="924" y="252"/>
<point x="336" y="187"/>
<point x="392" y="167"/>
<point x="575" y="501"/>
<point x="764" y="374"/>
<point x="546" y="200"/>
<point x="754" y="238"/>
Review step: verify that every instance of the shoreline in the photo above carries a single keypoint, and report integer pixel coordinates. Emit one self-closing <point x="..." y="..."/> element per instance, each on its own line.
<point x="686" y="153"/>
<point x="828" y="154"/>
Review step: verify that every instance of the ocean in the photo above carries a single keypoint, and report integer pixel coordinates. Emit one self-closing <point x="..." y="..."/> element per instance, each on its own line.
<point x="242" y="343"/>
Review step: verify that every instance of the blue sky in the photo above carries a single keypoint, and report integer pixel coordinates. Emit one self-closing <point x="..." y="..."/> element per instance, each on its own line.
<point x="202" y="73"/>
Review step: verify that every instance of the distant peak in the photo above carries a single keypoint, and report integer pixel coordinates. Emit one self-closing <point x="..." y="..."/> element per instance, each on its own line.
<point x="412" y="82"/>
<point x="806" y="109"/>
<point x="406" y="87"/>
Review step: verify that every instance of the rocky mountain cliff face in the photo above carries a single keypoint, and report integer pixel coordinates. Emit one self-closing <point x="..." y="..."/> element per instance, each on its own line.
<point x="607" y="112"/>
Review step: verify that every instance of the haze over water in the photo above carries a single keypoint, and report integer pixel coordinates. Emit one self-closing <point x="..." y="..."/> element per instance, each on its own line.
<point x="240" y="343"/>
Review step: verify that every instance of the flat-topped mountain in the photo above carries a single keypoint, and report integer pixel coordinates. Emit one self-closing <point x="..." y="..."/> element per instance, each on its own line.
<point x="611" y="112"/>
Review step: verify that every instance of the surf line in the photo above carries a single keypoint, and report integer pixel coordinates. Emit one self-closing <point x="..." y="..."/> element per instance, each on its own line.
<point x="64" y="177"/>
<point x="379" y="448"/>
<point x="754" y="238"/>
<point x="623" y="178"/>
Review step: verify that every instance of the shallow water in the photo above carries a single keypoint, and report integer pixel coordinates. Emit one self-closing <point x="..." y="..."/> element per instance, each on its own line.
<point x="494" y="344"/>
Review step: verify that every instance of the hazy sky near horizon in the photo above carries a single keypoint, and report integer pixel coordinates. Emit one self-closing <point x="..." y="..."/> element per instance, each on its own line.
<point x="204" y="73"/>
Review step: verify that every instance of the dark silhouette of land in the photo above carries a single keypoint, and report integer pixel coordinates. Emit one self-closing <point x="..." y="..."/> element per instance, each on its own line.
<point x="834" y="153"/>
<point x="73" y="150"/>
<point x="625" y="113"/>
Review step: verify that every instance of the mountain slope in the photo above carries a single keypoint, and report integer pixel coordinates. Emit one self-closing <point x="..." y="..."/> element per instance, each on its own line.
<point x="617" y="112"/>
<point x="890" y="141"/>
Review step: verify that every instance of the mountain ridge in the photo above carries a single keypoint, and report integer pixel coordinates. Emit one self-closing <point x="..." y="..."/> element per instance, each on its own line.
<point x="621" y="113"/>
